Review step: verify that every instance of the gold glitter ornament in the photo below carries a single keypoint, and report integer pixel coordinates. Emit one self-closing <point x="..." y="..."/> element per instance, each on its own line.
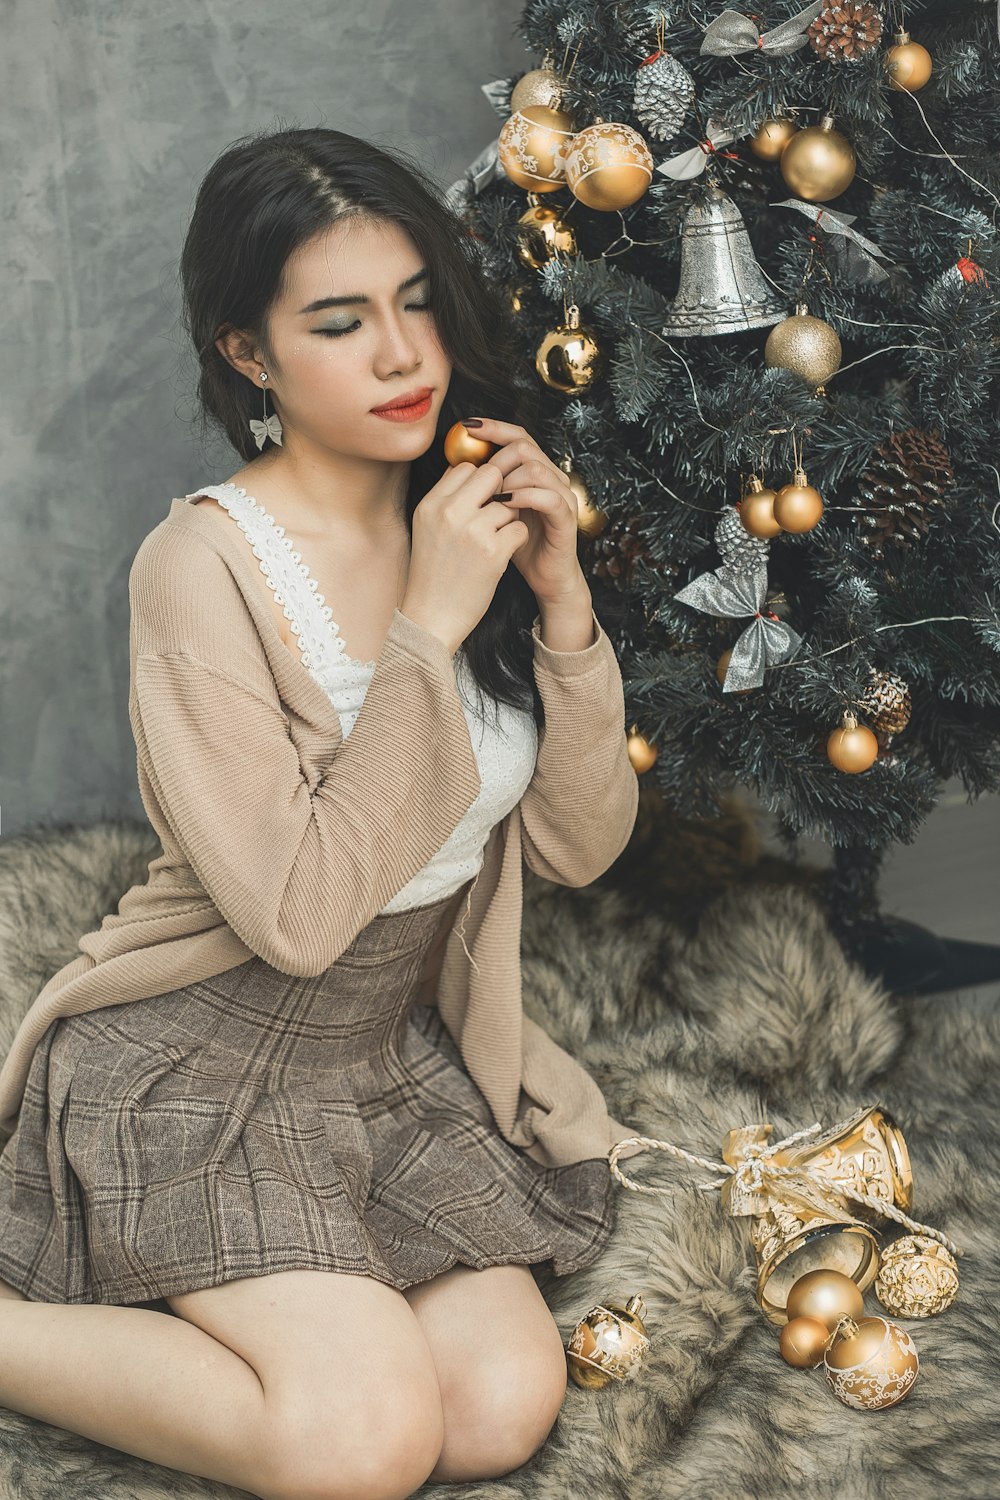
<point x="917" y="1278"/>
<point x="608" y="166"/>
<point x="908" y="64"/>
<point x="871" y="1364"/>
<point x="805" y="344"/>
<point x="542" y="234"/>
<point x="569" y="358"/>
<point x="532" y="147"/>
<point x="539" y="86"/>
<point x="818" y="163"/>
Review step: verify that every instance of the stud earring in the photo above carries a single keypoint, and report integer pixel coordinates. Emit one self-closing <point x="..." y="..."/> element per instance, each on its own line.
<point x="271" y="425"/>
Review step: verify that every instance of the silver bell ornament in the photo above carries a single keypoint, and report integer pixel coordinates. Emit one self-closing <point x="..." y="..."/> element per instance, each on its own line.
<point x="722" y="288"/>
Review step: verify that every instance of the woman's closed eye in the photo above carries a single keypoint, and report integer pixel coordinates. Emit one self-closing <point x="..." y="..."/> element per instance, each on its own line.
<point x="334" y="333"/>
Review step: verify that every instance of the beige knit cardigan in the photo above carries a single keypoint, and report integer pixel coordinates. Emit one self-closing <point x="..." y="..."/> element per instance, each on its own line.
<point x="282" y="839"/>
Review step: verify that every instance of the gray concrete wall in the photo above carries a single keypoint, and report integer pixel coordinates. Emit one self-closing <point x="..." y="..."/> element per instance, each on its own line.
<point x="111" y="114"/>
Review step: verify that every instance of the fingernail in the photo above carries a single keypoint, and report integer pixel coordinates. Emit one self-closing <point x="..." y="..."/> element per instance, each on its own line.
<point x="472" y="421"/>
<point x="503" y="495"/>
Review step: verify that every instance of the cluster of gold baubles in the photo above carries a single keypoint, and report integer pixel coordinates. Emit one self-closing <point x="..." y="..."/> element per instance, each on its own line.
<point x="606" y="166"/>
<point x="870" y="1362"/>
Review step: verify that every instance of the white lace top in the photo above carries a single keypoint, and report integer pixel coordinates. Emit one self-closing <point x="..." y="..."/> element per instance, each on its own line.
<point x="504" y="738"/>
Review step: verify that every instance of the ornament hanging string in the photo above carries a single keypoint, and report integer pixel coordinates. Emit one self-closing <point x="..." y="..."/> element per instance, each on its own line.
<point x="757" y="1172"/>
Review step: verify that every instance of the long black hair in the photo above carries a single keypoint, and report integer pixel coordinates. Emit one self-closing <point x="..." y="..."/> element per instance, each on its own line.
<point x="265" y="196"/>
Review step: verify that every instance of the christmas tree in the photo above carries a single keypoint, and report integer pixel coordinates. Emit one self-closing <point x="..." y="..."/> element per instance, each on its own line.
<point x="755" y="268"/>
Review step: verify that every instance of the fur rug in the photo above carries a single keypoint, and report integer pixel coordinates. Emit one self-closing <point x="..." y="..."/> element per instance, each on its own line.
<point x="700" y="984"/>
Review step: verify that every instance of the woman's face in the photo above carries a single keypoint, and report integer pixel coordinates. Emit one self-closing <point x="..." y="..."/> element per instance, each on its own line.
<point x="333" y="363"/>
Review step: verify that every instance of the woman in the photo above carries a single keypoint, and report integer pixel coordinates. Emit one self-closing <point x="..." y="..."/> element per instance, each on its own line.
<point x="343" y="659"/>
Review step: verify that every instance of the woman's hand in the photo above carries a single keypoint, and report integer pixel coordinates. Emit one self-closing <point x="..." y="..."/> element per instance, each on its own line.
<point x="543" y="500"/>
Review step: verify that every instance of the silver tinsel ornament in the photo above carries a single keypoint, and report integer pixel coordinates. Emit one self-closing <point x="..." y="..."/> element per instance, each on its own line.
<point x="722" y="288"/>
<point x="763" y="642"/>
<point x="737" y="547"/>
<point x="664" y="92"/>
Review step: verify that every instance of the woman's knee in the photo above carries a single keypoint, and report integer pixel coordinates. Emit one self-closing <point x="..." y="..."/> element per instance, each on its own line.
<point x="506" y="1411"/>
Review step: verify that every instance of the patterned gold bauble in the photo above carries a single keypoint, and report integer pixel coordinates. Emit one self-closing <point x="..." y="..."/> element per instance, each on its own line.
<point x="772" y="136"/>
<point x="888" y="702"/>
<point x="757" y="510"/>
<point x="804" y="344"/>
<point x="540" y="86"/>
<point x="803" y="1342"/>
<point x="798" y="506"/>
<point x="463" y="447"/>
<point x="608" y="166"/>
<point x="543" y="234"/>
<point x="826" y="1296"/>
<point x="908" y="65"/>
<point x="532" y="147"/>
<point x="641" y="752"/>
<point x="917" y="1277"/>
<point x="608" y="1343"/>
<point x="871" y="1363"/>
<point x="569" y="358"/>
<point x="818" y="163"/>
<point x="852" y="748"/>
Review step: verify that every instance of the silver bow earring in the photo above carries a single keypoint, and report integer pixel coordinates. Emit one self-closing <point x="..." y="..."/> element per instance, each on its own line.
<point x="271" y="425"/>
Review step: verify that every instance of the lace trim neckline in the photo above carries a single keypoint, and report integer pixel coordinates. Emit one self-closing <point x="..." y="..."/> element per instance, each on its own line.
<point x="310" y="617"/>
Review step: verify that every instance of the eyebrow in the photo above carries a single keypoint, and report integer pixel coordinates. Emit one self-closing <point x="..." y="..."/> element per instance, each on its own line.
<point x="357" y="297"/>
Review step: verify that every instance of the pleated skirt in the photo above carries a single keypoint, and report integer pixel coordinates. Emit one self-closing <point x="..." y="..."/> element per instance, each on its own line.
<point x="258" y="1122"/>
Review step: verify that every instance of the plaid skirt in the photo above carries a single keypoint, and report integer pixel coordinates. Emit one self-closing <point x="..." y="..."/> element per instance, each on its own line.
<point x="258" y="1122"/>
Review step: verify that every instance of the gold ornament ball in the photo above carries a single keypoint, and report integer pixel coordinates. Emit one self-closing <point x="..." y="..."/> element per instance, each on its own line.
<point x="772" y="136"/>
<point x="871" y="1364"/>
<point x="826" y="1296"/>
<point x="804" y="344"/>
<point x="541" y="86"/>
<point x="798" y="506"/>
<point x="608" y="166"/>
<point x="461" y="447"/>
<point x="908" y="65"/>
<point x="569" y="358"/>
<point x="608" y="1343"/>
<point x="917" y="1277"/>
<point x="852" y="748"/>
<point x="757" y="510"/>
<point x="532" y="147"/>
<point x="818" y="163"/>
<point x="803" y="1342"/>
<point x="641" y="752"/>
<point x="542" y="235"/>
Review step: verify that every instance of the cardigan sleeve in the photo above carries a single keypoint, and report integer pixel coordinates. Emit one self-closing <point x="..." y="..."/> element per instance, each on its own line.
<point x="580" y="806"/>
<point x="297" y="873"/>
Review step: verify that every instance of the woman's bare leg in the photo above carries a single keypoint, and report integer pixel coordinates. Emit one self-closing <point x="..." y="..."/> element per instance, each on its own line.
<point x="141" y="1381"/>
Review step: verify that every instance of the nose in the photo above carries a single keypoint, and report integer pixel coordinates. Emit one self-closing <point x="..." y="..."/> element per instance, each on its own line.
<point x="398" y="345"/>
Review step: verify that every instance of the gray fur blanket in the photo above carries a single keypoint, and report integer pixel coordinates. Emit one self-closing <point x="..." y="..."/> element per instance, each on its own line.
<point x="694" y="1017"/>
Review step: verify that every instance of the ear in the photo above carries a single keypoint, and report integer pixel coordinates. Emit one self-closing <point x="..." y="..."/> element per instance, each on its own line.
<point x="239" y="350"/>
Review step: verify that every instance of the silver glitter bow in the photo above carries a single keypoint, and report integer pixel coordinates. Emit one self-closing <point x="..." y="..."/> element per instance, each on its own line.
<point x="689" y="164"/>
<point x="732" y="32"/>
<point x="486" y="168"/>
<point x="731" y="592"/>
<point x="857" y="251"/>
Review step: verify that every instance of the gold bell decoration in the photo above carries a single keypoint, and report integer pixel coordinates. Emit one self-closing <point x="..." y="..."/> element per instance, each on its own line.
<point x="871" y="1363"/>
<point x="543" y="234"/>
<point x="590" y="519"/>
<point x="818" y="163"/>
<point x="722" y="288"/>
<point x="609" y="1343"/>
<point x="852" y="747"/>
<point x="808" y="1198"/>
<point x="539" y="86"/>
<point x="772" y="136"/>
<point x="641" y="752"/>
<point x="806" y="345"/>
<point x="908" y="64"/>
<point x="532" y="147"/>
<point x="569" y="358"/>
<point x="608" y="165"/>
<point x="917" y="1278"/>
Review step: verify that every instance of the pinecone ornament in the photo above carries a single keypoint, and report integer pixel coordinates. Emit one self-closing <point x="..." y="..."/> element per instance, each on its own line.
<point x="845" y="32"/>
<point x="887" y="703"/>
<point x="664" y="92"/>
<point x="619" y="547"/>
<point x="901" y="487"/>
<point x="738" y="548"/>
